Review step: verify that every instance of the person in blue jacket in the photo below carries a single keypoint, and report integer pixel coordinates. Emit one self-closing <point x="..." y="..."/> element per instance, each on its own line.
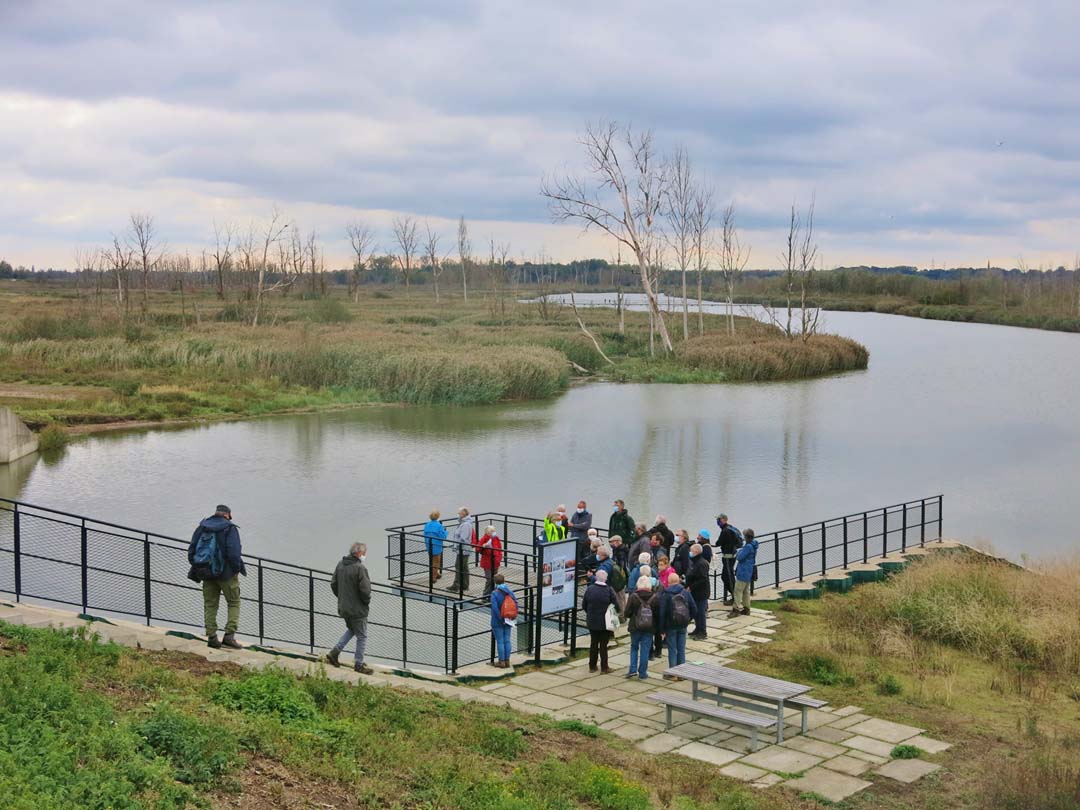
<point x="745" y="560"/>
<point x="499" y="626"/>
<point x="434" y="536"/>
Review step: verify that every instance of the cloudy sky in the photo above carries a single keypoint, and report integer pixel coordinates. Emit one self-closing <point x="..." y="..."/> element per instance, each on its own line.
<point x="930" y="133"/>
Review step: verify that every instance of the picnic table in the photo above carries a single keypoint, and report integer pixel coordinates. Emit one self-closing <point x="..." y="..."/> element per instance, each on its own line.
<point x="729" y="682"/>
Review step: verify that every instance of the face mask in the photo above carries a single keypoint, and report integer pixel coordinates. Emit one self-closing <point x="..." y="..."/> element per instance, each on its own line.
<point x="614" y="509"/>
<point x="580" y="510"/>
<point x="692" y="554"/>
<point x="363" y="557"/>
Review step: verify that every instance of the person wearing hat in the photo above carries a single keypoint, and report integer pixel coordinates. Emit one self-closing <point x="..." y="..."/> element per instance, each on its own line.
<point x="729" y="542"/>
<point x="226" y="535"/>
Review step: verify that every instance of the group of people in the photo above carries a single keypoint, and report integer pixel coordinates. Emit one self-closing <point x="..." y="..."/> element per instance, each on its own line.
<point x="486" y="550"/>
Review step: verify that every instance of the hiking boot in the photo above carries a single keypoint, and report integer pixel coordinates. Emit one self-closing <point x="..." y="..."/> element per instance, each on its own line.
<point x="332" y="657"/>
<point x="729" y="602"/>
<point x="363" y="669"/>
<point x="231" y="642"/>
<point x="745" y="612"/>
<point x="212" y="642"/>
<point x="734" y="613"/>
<point x="606" y="670"/>
<point x="670" y="678"/>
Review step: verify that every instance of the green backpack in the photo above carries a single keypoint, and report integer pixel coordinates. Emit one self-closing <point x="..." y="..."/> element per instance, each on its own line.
<point x="617" y="580"/>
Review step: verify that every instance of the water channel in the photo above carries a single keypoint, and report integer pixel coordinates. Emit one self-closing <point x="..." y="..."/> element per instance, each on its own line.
<point x="988" y="415"/>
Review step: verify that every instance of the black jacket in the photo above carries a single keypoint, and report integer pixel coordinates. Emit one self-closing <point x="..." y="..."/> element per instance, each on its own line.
<point x="232" y="553"/>
<point x="697" y="578"/>
<point x="728" y="542"/>
<point x="622" y="524"/>
<point x="666" y="533"/>
<point x="352" y="587"/>
<point x="681" y="560"/>
<point x="595" y="604"/>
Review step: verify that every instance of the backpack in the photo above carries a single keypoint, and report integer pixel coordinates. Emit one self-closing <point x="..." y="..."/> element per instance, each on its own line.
<point x="509" y="607"/>
<point x="208" y="561"/>
<point x="644" y="619"/>
<point x="680" y="611"/>
<point x="617" y="580"/>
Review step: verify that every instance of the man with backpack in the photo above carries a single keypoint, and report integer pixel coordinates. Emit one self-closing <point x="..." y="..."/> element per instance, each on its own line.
<point x="504" y="613"/>
<point x="729" y="541"/>
<point x="640" y="614"/>
<point x="677" y="607"/>
<point x="217" y="562"/>
<point x="352" y="587"/>
<point x="697" y="582"/>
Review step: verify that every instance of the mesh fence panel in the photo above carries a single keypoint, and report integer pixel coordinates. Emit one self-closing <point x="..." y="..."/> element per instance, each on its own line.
<point x="51" y="554"/>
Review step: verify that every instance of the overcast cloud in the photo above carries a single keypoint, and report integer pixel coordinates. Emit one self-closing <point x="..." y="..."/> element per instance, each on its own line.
<point x="930" y="132"/>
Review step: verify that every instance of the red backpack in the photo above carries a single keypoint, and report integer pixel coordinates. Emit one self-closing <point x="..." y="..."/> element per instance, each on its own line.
<point x="509" y="608"/>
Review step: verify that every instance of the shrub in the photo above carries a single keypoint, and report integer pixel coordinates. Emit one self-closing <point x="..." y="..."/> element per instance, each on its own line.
<point x="889" y="685"/>
<point x="329" y="310"/>
<point x="270" y="693"/>
<point x="504" y="743"/>
<point x="199" y="751"/>
<point x="52" y="438"/>
<point x="578" y="727"/>
<point x="382" y="294"/>
<point x="1046" y="779"/>
<point x="906" y="752"/>
<point x="820" y="668"/>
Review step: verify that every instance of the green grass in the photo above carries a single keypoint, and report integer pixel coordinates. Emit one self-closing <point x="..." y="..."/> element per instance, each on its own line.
<point x="96" y="726"/>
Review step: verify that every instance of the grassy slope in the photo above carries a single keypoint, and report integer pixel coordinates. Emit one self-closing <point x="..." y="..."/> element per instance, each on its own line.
<point x="318" y="354"/>
<point x="85" y="725"/>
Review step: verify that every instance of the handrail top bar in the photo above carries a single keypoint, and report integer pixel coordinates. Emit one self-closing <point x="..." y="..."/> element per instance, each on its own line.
<point x="817" y="523"/>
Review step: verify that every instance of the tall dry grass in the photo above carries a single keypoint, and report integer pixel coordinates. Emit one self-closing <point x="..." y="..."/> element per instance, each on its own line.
<point x="771" y="357"/>
<point x="997" y="611"/>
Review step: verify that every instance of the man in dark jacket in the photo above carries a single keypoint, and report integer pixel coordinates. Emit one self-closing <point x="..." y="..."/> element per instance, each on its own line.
<point x="697" y="582"/>
<point x="580" y="523"/>
<point x="598" y="596"/>
<point x="667" y="536"/>
<point x="729" y="542"/>
<point x="352" y="587"/>
<point x="228" y="583"/>
<point x="639" y="542"/>
<point x="670" y="622"/>
<point x="621" y="523"/>
<point x="680" y="559"/>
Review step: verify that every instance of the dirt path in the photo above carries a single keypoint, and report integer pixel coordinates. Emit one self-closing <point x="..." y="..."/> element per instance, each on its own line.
<point x="52" y="392"/>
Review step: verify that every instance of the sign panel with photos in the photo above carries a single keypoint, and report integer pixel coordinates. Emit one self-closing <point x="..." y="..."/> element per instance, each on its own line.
<point x="557" y="570"/>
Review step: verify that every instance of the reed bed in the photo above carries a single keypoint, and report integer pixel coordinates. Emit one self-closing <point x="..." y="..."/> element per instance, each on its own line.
<point x="773" y="358"/>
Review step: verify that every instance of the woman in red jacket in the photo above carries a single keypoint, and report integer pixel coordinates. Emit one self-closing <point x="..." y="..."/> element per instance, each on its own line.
<point x="490" y="547"/>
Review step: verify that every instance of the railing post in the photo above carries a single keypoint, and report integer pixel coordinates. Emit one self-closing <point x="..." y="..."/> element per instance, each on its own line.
<point x="262" y="618"/>
<point x="405" y="629"/>
<point x="454" y="651"/>
<point x="940" y="515"/>
<point x="83" y="568"/>
<point x="539" y="618"/>
<point x="311" y="611"/>
<point x="776" y="559"/>
<point x="800" y="554"/>
<point x="401" y="558"/>
<point x="885" y="532"/>
<point x="146" y="579"/>
<point x="445" y="634"/>
<point x="506" y="532"/>
<point x="865" y="537"/>
<point x="823" y="548"/>
<point x="845" y="544"/>
<point x="922" y="523"/>
<point x="903" y="531"/>
<point x="18" y="557"/>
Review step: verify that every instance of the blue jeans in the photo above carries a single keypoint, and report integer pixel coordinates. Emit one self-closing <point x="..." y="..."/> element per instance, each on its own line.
<point x="502" y="641"/>
<point x="640" y="644"/>
<point x="676" y="646"/>
<point x="357" y="629"/>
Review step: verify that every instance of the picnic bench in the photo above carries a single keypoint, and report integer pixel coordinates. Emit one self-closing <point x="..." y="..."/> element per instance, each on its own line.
<point x="675" y="700"/>
<point x="745" y="690"/>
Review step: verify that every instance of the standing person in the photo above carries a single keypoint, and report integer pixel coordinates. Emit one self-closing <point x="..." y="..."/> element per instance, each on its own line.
<point x="554" y="530"/>
<point x="464" y="533"/>
<point x="603" y="564"/>
<point x="676" y="609"/>
<point x="589" y="562"/>
<point x="618" y="551"/>
<point x="595" y="604"/>
<point x="352" y="587"/>
<point x="660" y="527"/>
<point x="640" y="613"/>
<point x="434" y="537"/>
<point x="697" y="582"/>
<point x="745" y="562"/>
<point x="621" y="523"/>
<point x="217" y="561"/>
<point x="681" y="561"/>
<point x="705" y="539"/>
<point x="490" y="557"/>
<point x="503" y="618"/>
<point x="643" y="560"/>
<point x="639" y="542"/>
<point x="729" y="541"/>
<point x="663" y="568"/>
<point x="580" y="524"/>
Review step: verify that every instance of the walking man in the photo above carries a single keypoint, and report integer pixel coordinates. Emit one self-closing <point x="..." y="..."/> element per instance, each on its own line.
<point x="463" y="537"/>
<point x="745" y="562"/>
<point x="352" y="587"/>
<point x="216" y="560"/>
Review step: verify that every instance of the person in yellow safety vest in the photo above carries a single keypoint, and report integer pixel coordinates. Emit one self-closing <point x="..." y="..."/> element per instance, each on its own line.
<point x="554" y="530"/>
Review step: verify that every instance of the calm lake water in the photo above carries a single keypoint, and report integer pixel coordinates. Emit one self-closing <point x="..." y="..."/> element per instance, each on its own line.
<point x="988" y="415"/>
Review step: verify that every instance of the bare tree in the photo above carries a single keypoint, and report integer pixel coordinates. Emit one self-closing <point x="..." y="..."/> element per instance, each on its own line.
<point x="497" y="273"/>
<point x="315" y="260"/>
<point x="808" y="250"/>
<point x="733" y="259"/>
<point x="464" y="254"/>
<point x="431" y="256"/>
<point x="702" y="217"/>
<point x="405" y="237"/>
<point x="680" y="213"/>
<point x="120" y="260"/>
<point x="143" y="240"/>
<point x="224" y="236"/>
<point x="362" y="240"/>
<point x="626" y="203"/>
<point x="270" y="235"/>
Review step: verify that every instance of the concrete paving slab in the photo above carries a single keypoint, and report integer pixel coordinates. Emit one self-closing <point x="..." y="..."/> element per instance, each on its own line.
<point x="907" y="770"/>
<point x="873" y="759"/>
<point x="870" y="746"/>
<point x="547" y="700"/>
<point x="590" y="714"/>
<point x="512" y="690"/>
<point x="744" y="773"/>
<point x="852" y="766"/>
<point x="850" y="720"/>
<point x="768" y="780"/>
<point x="634" y="731"/>
<point x="816" y="747"/>
<point x="708" y="753"/>
<point x="831" y="785"/>
<point x="884" y="730"/>
<point x="778" y="758"/>
<point x="829" y="734"/>
<point x="929" y="745"/>
<point x="718" y="738"/>
<point x="540" y="680"/>
<point x="847" y="710"/>
<point x="692" y="731"/>
<point x="660" y="743"/>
